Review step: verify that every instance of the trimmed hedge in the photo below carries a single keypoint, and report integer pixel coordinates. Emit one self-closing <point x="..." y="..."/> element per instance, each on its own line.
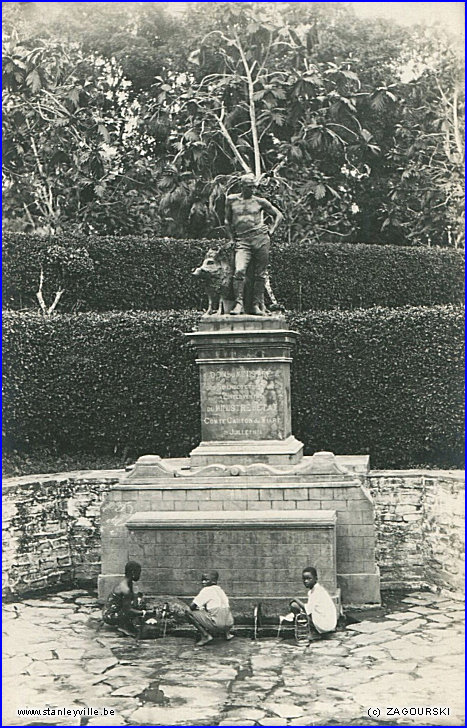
<point x="387" y="382"/>
<point x="134" y="273"/>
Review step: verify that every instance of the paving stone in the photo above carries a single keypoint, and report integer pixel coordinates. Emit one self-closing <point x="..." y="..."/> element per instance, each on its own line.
<point x="265" y="662"/>
<point x="196" y="694"/>
<point x="327" y="672"/>
<point x="48" y="604"/>
<point x="410" y="627"/>
<point x="114" y="683"/>
<point x="243" y="699"/>
<point x="106" y="721"/>
<point x="41" y="653"/>
<point x="43" y="668"/>
<point x="63" y="653"/>
<point x="423" y="610"/>
<point x="149" y="715"/>
<point x="99" y="666"/>
<point x="9" y="647"/>
<point x="374" y="639"/>
<point x="452" y="595"/>
<point x="13" y="609"/>
<point x="72" y="669"/>
<point x="400" y="616"/>
<point x="395" y="666"/>
<point x="458" y="615"/>
<point x="421" y="598"/>
<point x="285" y="710"/>
<point x="51" y="617"/>
<point x="440" y="618"/>
<point x="257" y="684"/>
<point x="306" y="720"/>
<point x="22" y="685"/>
<point x="202" y="672"/>
<point x="376" y="692"/>
<point x="131" y="672"/>
<point x="374" y="653"/>
<point x="332" y="649"/>
<point x="129" y="691"/>
<point x="407" y="653"/>
<point x="368" y="627"/>
<point x="326" y="713"/>
<point x="96" y="652"/>
<point x="78" y="617"/>
<point x="86" y="600"/>
<point x="17" y="665"/>
<point x="454" y="661"/>
<point x="399" y="655"/>
<point x="25" y="633"/>
<point x="302" y="691"/>
<point x="346" y="712"/>
<point x="247" y="713"/>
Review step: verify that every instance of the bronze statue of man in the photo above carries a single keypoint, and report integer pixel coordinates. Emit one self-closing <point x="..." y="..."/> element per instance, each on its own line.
<point x="244" y="222"/>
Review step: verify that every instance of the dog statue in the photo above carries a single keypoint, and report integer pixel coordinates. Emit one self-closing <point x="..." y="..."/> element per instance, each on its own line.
<point x="216" y="272"/>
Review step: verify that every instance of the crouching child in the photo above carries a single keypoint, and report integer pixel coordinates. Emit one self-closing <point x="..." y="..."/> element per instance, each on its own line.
<point x="319" y="607"/>
<point x="125" y="606"/>
<point x="210" y="611"/>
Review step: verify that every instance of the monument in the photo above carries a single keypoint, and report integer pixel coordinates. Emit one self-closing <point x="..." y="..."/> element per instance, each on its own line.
<point x="246" y="501"/>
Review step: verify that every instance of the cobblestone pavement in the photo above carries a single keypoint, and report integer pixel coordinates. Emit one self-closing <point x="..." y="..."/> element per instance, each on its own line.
<point x="59" y="655"/>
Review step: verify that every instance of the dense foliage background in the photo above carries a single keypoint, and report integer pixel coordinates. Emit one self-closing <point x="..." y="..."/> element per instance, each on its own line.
<point x="130" y="118"/>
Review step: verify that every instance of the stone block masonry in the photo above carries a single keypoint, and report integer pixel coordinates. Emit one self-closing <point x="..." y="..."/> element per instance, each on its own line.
<point x="420" y="521"/>
<point x="51" y="524"/>
<point x="51" y="529"/>
<point x="274" y="494"/>
<point x="250" y="550"/>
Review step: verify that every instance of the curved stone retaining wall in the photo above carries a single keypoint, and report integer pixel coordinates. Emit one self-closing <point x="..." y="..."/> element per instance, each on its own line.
<point x="420" y="520"/>
<point x="51" y="528"/>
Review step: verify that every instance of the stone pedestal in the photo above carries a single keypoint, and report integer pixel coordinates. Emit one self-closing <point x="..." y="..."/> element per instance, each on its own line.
<point x="246" y="502"/>
<point x="244" y="364"/>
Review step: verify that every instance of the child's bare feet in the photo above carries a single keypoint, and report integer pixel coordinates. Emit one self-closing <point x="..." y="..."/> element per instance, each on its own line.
<point x="229" y="636"/>
<point x="204" y="641"/>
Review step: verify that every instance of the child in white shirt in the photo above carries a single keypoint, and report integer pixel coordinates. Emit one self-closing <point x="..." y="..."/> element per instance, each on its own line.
<point x="319" y="607"/>
<point x="210" y="610"/>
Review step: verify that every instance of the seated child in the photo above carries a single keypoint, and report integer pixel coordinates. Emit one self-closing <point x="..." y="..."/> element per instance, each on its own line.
<point x="210" y="611"/>
<point x="124" y="606"/>
<point x="319" y="607"/>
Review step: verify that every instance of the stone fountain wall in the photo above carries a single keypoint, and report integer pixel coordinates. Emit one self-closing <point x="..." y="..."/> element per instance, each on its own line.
<point x="52" y="527"/>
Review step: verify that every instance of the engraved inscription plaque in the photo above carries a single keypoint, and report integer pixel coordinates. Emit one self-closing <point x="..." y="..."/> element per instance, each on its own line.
<point x="240" y="402"/>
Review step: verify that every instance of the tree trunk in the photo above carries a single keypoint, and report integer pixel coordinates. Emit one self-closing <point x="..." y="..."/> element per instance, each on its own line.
<point x="252" y="110"/>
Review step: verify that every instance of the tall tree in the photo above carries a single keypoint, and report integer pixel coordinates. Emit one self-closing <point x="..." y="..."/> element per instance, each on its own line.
<point x="70" y="124"/>
<point x="124" y="117"/>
